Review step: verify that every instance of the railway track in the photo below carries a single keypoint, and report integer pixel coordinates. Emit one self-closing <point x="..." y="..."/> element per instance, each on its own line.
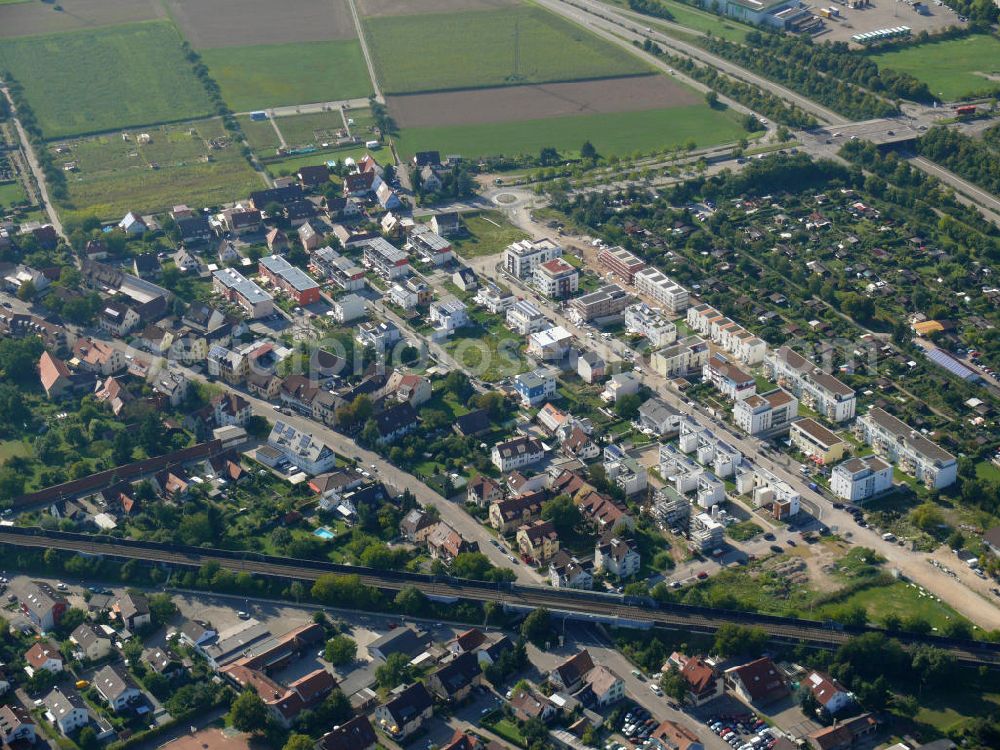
<point x="586" y="604"/>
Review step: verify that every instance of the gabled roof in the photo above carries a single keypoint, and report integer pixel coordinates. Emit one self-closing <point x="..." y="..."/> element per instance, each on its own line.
<point x="459" y="673"/>
<point x="574" y="668"/>
<point x="356" y="734"/>
<point x="409" y="703"/>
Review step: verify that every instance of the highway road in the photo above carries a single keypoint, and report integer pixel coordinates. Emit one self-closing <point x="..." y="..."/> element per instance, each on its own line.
<point x="526" y="597"/>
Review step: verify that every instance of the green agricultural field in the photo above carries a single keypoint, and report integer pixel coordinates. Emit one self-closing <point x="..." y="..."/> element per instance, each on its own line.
<point x="612" y="134"/>
<point x="178" y="165"/>
<point x="290" y="165"/>
<point x="102" y="79"/>
<point x="276" y="75"/>
<point x="900" y="599"/>
<point x="437" y="51"/>
<point x="953" y="68"/>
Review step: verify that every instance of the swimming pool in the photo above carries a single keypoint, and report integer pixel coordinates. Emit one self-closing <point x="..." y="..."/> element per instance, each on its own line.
<point x="324" y="533"/>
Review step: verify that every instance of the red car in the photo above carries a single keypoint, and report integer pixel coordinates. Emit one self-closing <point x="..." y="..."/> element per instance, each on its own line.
<point x="702" y="575"/>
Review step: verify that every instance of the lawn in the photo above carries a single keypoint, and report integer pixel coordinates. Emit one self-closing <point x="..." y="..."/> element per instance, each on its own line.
<point x="275" y="75"/>
<point x="509" y="730"/>
<point x="950" y="68"/>
<point x="985" y="470"/>
<point x="490" y="355"/>
<point x="311" y="128"/>
<point x="438" y="51"/>
<point x="11" y="193"/>
<point x="178" y="165"/>
<point x="102" y="79"/>
<point x="900" y="599"/>
<point x="487" y="233"/>
<point x="292" y="164"/>
<point x="619" y="134"/>
<point x="260" y="134"/>
<point x="949" y="706"/>
<point x="11" y="448"/>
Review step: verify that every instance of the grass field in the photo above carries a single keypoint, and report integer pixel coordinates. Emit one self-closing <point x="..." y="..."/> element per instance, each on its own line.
<point x="11" y="193"/>
<point x="291" y="164"/>
<point x="116" y="176"/>
<point x="618" y="133"/>
<point x="314" y="127"/>
<point x="260" y="135"/>
<point x="488" y="233"/>
<point x="697" y="20"/>
<point x="899" y="599"/>
<point x="473" y="49"/>
<point x="950" y="67"/>
<point x="11" y="448"/>
<point x="988" y="471"/>
<point x="92" y="81"/>
<point x="275" y="75"/>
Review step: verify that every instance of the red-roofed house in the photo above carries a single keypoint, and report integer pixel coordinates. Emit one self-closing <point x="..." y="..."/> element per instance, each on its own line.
<point x="702" y="681"/>
<point x="829" y="693"/>
<point x="54" y="375"/>
<point x="758" y="683"/>
<point x="43" y="656"/>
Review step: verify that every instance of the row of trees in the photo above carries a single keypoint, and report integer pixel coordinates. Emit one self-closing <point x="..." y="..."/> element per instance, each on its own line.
<point x="789" y="62"/>
<point x="975" y="160"/>
<point x="55" y="177"/>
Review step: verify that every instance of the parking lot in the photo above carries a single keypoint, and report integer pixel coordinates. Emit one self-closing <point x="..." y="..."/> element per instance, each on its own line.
<point x="885" y="14"/>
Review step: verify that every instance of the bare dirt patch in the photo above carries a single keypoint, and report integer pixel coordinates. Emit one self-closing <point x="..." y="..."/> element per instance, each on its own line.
<point x="22" y="19"/>
<point x="516" y="103"/>
<point x="233" y="23"/>
<point x="374" y="8"/>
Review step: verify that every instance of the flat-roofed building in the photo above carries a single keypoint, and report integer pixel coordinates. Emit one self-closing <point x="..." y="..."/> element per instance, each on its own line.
<point x="643" y="320"/>
<point x="766" y="412"/>
<point x="621" y="263"/>
<point x="522" y="258"/>
<point x="237" y="288"/>
<point x="608" y="301"/>
<point x="385" y="259"/>
<point x="659" y="287"/>
<point x="295" y="282"/>
<point x="556" y="278"/>
<point x="524" y="318"/>
<point x="327" y="263"/>
<point x="858" y="479"/>
<point x="677" y="360"/>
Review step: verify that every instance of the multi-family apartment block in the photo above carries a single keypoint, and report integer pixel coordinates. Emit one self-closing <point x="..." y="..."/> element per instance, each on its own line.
<point x="520" y="259"/>
<point x="621" y="263"/>
<point x="766" y="412"/>
<point x="327" y="263"/>
<point x="729" y="335"/>
<point x="659" y="287"/>
<point x="819" y="390"/>
<point x="643" y="320"/>
<point x="237" y="288"/>
<point x="556" y="278"/>
<point x="524" y="318"/>
<point x="858" y="479"/>
<point x="385" y="259"/>
<point x="728" y="379"/>
<point x="677" y="360"/>
<point x="606" y="302"/>
<point x="903" y="446"/>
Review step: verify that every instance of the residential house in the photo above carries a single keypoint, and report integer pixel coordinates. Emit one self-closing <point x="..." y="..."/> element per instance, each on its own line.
<point x="660" y="288"/>
<point x="483" y="491"/>
<point x="43" y="605"/>
<point x="403" y="640"/>
<point x="313" y="176"/>
<point x="591" y="367"/>
<point x="356" y="734"/>
<point x="54" y="376"/>
<point x="517" y="452"/>
<point x="116" y="687"/>
<point x="395" y="422"/>
<point x="444" y="543"/>
<point x="146" y="265"/>
<point x="112" y="393"/>
<point x="231" y="410"/>
<point x="538" y="541"/>
<point x="236" y="288"/>
<point x="551" y="344"/>
<point x="728" y="379"/>
<point x="465" y="279"/>
<point x="16" y="726"/>
<point x="524" y="318"/>
<point x="379" y="336"/>
<point x="132" y="224"/>
<point x="43" y="656"/>
<point x="416" y="525"/>
<point x="430" y="246"/>
<point x="117" y="319"/>
<point x="301" y="449"/>
<point x="92" y="641"/>
<point x="412" y="389"/>
<point x="454" y="681"/>
<point x="603" y="304"/>
<point x="535" y="386"/>
<point x="818" y="390"/>
<point x="446" y="224"/>
<point x="669" y="735"/>
<point x="66" y="709"/>
<point x="385" y="259"/>
<point x="448" y="315"/>
<point x="622" y="384"/>
<point x="293" y="281"/>
<point x="703" y="683"/>
<point x="508" y="514"/>
<point x="473" y="423"/>
<point x="566" y="572"/>
<point x="568" y="676"/>
<point x="277" y="241"/>
<point x="133" y="611"/>
<point x="608" y="688"/>
<point x="98" y="357"/>
<point x="757" y="683"/>
<point x="657" y="416"/>
<point x="829" y="693"/>
<point x="173" y="384"/>
<point x="528" y="703"/>
<point x="405" y="712"/>
<point x="616" y="556"/>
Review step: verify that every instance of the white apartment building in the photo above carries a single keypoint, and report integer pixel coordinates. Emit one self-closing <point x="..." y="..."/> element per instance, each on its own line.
<point x="385" y="259"/>
<point x="858" y="479"/>
<point x="767" y="489"/>
<point x="704" y="533"/>
<point x="556" y="278"/>
<point x="659" y="287"/>
<point x="448" y="314"/>
<point x="687" y="355"/>
<point x="524" y="318"/>
<point x="513" y="454"/>
<point x="678" y="470"/>
<point x="643" y="320"/>
<point x="909" y="450"/>
<point x="736" y="340"/>
<point x="522" y="258"/>
<point x="550" y="344"/>
<point x="766" y="412"/>
<point x="818" y="390"/>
